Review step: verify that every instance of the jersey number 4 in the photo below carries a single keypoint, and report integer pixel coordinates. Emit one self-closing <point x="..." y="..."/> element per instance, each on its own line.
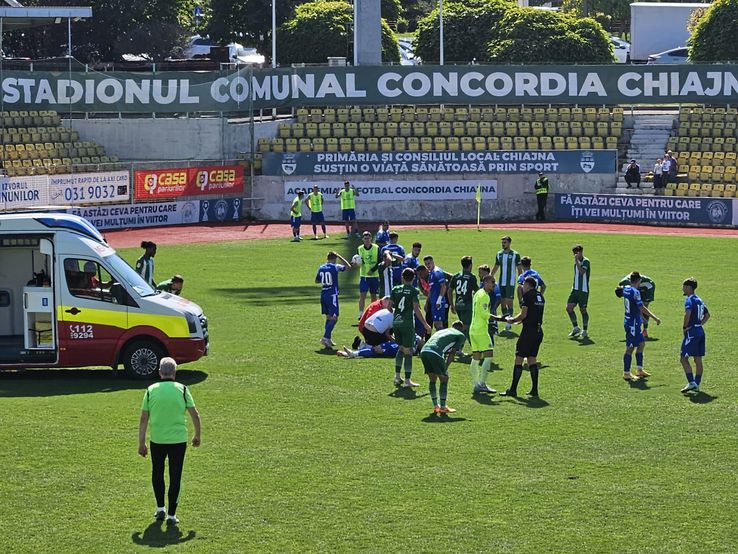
<point x="401" y="304"/>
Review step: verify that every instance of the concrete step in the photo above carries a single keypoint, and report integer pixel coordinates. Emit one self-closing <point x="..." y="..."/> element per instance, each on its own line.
<point x="635" y="192"/>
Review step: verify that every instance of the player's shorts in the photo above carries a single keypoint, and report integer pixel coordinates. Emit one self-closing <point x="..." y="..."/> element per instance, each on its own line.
<point x="528" y="343"/>
<point x="438" y="314"/>
<point x="507" y="291"/>
<point x="329" y="305"/>
<point x="633" y="335"/>
<point x="464" y="314"/>
<point x="648" y="295"/>
<point x="404" y="334"/>
<point x="578" y="297"/>
<point x="433" y="363"/>
<point x="693" y="344"/>
<point x="372" y="338"/>
<point x="317" y="217"/>
<point x="369" y="284"/>
<point x="481" y="341"/>
<point x="348" y="215"/>
<point x="295" y="221"/>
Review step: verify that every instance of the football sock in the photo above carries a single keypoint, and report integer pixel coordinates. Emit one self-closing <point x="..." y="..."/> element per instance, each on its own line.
<point x="645" y="323"/>
<point x="689" y="375"/>
<point x="517" y="373"/>
<point x="408" y="365"/>
<point x="698" y="378"/>
<point x="329" y="325"/>
<point x="474" y="370"/>
<point x="627" y="360"/>
<point x="315" y="230"/>
<point x="573" y="318"/>
<point x="585" y="321"/>
<point x="398" y="361"/>
<point x="534" y="378"/>
<point x="366" y="352"/>
<point x="324" y="231"/>
<point x="639" y="360"/>
<point x="443" y="390"/>
<point x="432" y="390"/>
<point x="486" y="365"/>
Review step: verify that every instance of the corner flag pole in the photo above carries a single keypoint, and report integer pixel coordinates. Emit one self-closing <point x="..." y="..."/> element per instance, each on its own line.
<point x="479" y="204"/>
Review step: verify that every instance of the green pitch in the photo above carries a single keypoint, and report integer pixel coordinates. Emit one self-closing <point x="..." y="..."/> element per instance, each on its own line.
<point x="306" y="452"/>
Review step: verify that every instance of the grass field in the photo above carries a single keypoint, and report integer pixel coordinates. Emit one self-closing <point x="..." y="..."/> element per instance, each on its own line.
<point x="303" y="451"/>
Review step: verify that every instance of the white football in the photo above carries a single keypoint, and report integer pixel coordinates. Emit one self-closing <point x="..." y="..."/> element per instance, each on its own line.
<point x="356" y="260"/>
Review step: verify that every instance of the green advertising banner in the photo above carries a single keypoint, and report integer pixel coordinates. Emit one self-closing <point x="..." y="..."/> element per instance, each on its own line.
<point x="372" y="85"/>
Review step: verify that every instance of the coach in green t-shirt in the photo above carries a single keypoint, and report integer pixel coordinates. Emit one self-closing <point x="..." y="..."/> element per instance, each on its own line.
<point x="163" y="411"/>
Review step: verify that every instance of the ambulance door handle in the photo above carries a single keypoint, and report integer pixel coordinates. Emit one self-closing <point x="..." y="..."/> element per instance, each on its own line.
<point x="73" y="311"/>
<point x="25" y="301"/>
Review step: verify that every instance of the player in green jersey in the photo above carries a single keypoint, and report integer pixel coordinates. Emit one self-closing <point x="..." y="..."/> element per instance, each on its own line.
<point x="579" y="292"/>
<point x="647" y="288"/>
<point x="406" y="306"/>
<point x="296" y="216"/>
<point x="464" y="285"/>
<point x="348" y="196"/>
<point x="314" y="202"/>
<point x="437" y="355"/>
<point x="368" y="252"/>
<point x="508" y="262"/>
<point x="482" y="342"/>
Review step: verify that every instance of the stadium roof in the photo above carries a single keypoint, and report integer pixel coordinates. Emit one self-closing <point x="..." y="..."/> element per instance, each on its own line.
<point x="15" y="16"/>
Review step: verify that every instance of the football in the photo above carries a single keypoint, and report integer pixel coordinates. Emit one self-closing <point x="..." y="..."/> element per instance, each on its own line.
<point x="356" y="260"/>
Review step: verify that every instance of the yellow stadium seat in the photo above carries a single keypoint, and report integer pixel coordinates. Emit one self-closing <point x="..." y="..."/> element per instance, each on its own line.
<point x="546" y="143"/>
<point x="729" y="191"/>
<point x="290" y="145"/>
<point x="480" y="143"/>
<point x="513" y="114"/>
<point x="305" y="145"/>
<point x="372" y="144"/>
<point x="331" y="144"/>
<point x="359" y="144"/>
<point x="493" y="143"/>
<point x="369" y="114"/>
<point x="603" y="115"/>
<point x="564" y="114"/>
<point x="431" y="129"/>
<point x="519" y="143"/>
<point x="324" y="130"/>
<point x="611" y="143"/>
<point x="717" y="190"/>
<point x="471" y="128"/>
<point x="498" y="129"/>
<point x="345" y="144"/>
<point x="590" y="114"/>
<point x="421" y="114"/>
<point x="435" y="114"/>
<point x="448" y="114"/>
<point x="485" y="128"/>
<point x="511" y="128"/>
<point x="413" y="144"/>
<point x="365" y="129"/>
<point x="458" y="129"/>
<point x="588" y="128"/>
<point x="475" y="114"/>
<point x="563" y="130"/>
<point x="319" y="145"/>
<point x="338" y="129"/>
<point x="539" y="115"/>
<point x="342" y="115"/>
<point x="444" y="128"/>
<point x="418" y="128"/>
<point x="488" y="114"/>
<point x="408" y="114"/>
<point x="426" y="143"/>
<point x="311" y="130"/>
<point x="559" y="143"/>
<point x="506" y="143"/>
<point x="406" y="129"/>
<point x="532" y="143"/>
<point x="577" y="114"/>
<point x="277" y="145"/>
<point x="526" y="114"/>
<point x="572" y="143"/>
<point x="383" y="114"/>
<point x="392" y="129"/>
<point x="355" y="115"/>
<point x="302" y="115"/>
<point x="453" y="143"/>
<point x="536" y="129"/>
<point x="399" y="144"/>
<point x="329" y="115"/>
<point x="461" y="114"/>
<point x="524" y="128"/>
<point x="694" y="189"/>
<point x="439" y="143"/>
<point x="467" y="144"/>
<point x="351" y="129"/>
<point x="585" y="143"/>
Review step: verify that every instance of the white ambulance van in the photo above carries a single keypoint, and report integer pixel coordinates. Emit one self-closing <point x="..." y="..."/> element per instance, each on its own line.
<point x="68" y="300"/>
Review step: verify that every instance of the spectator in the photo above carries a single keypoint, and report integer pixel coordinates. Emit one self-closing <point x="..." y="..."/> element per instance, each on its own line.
<point x="633" y="174"/>
<point x="665" y="167"/>
<point x="541" y="187"/>
<point x="673" y="167"/>
<point x="657" y="174"/>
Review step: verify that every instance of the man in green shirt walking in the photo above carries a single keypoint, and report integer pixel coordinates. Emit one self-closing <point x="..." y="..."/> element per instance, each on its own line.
<point x="508" y="262"/>
<point x="437" y="355"/>
<point x="296" y="215"/>
<point x="579" y="292"/>
<point x="163" y="412"/>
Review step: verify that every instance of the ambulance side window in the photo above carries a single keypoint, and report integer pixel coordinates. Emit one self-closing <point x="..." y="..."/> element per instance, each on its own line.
<point x="88" y="279"/>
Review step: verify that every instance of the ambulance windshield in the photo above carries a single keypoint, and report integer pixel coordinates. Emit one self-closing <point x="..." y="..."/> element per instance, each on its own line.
<point x="129" y="276"/>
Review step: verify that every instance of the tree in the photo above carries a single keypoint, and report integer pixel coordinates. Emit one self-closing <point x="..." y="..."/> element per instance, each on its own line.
<point x="320" y="30"/>
<point x="714" y="38"/>
<point x="157" y="40"/>
<point x="391" y="10"/>
<point x="694" y="19"/>
<point x="526" y="35"/>
<point x="248" y="21"/>
<point x="467" y="28"/>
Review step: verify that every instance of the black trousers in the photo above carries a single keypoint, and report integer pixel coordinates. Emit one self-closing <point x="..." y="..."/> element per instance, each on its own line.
<point x="176" y="455"/>
<point x="541" y="199"/>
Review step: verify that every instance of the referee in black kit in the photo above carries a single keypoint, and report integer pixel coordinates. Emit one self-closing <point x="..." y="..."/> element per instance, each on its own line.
<point x="531" y="315"/>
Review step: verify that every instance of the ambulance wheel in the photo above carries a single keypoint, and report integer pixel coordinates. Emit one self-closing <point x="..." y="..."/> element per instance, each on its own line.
<point x="141" y="359"/>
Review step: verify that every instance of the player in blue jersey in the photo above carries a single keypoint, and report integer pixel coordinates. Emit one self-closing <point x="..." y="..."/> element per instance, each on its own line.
<point x="437" y="292"/>
<point x="392" y="256"/>
<point x="382" y="237"/>
<point x="327" y="277"/>
<point x="693" y="344"/>
<point x="634" y="340"/>
<point x="526" y="262"/>
<point x="495" y="298"/>
<point x="386" y="349"/>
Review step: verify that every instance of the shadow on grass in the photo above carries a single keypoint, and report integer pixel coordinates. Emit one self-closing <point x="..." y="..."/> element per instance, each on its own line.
<point x="442" y="418"/>
<point x="701" y="398"/>
<point x="159" y="535"/>
<point x="326" y="352"/>
<point x="584" y="342"/>
<point x="530" y="401"/>
<point x="485" y="400"/>
<point x="407" y="393"/>
<point x="61" y="382"/>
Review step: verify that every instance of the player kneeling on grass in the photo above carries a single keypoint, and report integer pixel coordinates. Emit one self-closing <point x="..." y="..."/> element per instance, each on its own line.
<point x="531" y="337"/>
<point x="482" y="342"/>
<point x="634" y="312"/>
<point x="406" y="306"/>
<point x="327" y="276"/>
<point x="437" y="355"/>
<point x="693" y="344"/>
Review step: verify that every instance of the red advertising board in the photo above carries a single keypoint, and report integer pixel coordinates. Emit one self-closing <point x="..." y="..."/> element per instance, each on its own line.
<point x="187" y="181"/>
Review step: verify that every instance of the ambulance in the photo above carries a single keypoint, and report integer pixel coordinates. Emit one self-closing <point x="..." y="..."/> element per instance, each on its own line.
<point x="68" y="300"/>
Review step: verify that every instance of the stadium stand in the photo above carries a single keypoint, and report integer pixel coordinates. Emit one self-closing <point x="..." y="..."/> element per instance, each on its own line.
<point x="706" y="145"/>
<point x="35" y="143"/>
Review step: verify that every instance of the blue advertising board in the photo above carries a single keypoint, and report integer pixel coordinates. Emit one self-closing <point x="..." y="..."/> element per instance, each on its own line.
<point x="439" y="162"/>
<point x="221" y="210"/>
<point x="644" y="209"/>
